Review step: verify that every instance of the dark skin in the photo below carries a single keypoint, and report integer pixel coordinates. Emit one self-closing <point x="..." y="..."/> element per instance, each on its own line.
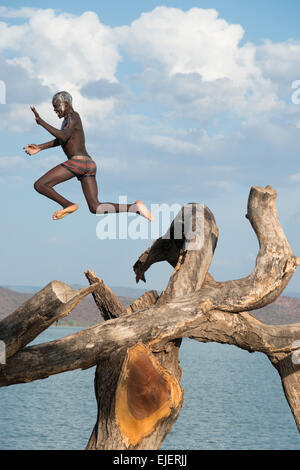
<point x="70" y="136"/>
<point x="72" y="140"/>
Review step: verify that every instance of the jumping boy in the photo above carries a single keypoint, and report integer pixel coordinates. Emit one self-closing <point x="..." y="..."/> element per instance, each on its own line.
<point x="79" y="163"/>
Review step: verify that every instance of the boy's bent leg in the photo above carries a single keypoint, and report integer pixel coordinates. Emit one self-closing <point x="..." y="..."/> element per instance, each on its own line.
<point x="44" y="185"/>
<point x="90" y="191"/>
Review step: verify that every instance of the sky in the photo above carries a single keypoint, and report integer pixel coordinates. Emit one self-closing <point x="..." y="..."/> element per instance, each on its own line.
<point x="181" y="101"/>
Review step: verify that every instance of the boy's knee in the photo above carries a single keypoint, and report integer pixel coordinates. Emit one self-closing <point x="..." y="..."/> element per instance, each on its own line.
<point x="38" y="186"/>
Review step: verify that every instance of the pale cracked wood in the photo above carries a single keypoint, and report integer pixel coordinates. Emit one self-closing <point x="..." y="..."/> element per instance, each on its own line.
<point x="104" y="298"/>
<point x="275" y="263"/>
<point x="199" y="232"/>
<point x="108" y="304"/>
<point x="155" y="326"/>
<point x="290" y="376"/>
<point x="50" y="304"/>
<point x="145" y="300"/>
<point x="192" y="237"/>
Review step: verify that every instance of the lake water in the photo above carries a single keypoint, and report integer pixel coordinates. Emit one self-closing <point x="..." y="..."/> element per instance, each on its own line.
<point x="233" y="400"/>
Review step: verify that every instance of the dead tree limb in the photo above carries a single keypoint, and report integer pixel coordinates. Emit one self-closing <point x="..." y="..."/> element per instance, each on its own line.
<point x="155" y="326"/>
<point x="275" y="262"/>
<point x="53" y="302"/>
<point x="106" y="301"/>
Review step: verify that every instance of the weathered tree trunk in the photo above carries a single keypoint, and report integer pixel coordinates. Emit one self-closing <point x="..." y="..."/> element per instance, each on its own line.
<point x="134" y="389"/>
<point x="290" y="377"/>
<point x="137" y="380"/>
<point x="141" y="399"/>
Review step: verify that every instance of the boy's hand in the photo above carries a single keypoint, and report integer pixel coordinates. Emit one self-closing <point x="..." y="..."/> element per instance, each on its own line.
<point x="36" y="115"/>
<point x="32" y="149"/>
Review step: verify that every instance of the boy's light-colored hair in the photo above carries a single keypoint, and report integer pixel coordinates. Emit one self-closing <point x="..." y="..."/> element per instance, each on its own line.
<point x="63" y="96"/>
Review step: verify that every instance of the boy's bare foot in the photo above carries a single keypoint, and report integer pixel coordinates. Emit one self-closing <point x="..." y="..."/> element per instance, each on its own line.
<point x="142" y="210"/>
<point x="63" y="212"/>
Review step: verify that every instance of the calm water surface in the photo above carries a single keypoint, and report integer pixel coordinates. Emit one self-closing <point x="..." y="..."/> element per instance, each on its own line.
<point x="233" y="400"/>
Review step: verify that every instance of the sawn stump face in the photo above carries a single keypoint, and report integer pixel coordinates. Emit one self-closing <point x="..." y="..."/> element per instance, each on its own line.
<point x="146" y="393"/>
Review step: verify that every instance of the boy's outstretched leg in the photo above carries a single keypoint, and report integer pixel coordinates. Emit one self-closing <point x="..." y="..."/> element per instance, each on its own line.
<point x="90" y="190"/>
<point x="139" y="208"/>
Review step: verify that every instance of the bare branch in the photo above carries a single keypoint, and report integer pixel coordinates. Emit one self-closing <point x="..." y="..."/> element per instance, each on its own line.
<point x="200" y="234"/>
<point x="156" y="326"/>
<point x="145" y="300"/>
<point x="105" y="299"/>
<point x="275" y="262"/>
<point x="53" y="302"/>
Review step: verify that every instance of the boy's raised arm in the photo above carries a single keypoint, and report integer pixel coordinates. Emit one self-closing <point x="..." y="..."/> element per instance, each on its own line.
<point x="32" y="149"/>
<point x="62" y="135"/>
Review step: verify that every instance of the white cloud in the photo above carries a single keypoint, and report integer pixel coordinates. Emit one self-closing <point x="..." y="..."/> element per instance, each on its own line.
<point x="11" y="162"/>
<point x="198" y="46"/>
<point x="23" y="12"/>
<point x="15" y="118"/>
<point x="111" y="164"/>
<point x="13" y="74"/>
<point x="172" y="145"/>
<point x="295" y="177"/>
<point x="196" y="41"/>
<point x="58" y="51"/>
<point x="64" y="51"/>
<point x="193" y="68"/>
<point x="195" y="65"/>
<point x="43" y="162"/>
<point x="280" y="61"/>
<point x="190" y="143"/>
<point x="193" y="61"/>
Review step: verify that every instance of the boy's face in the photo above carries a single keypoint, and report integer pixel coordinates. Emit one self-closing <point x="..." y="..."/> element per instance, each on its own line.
<point x="60" y="108"/>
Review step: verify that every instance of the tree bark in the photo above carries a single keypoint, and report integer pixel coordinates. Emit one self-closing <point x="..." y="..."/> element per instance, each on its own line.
<point x="137" y="377"/>
<point x="48" y="305"/>
<point x="290" y="377"/>
<point x="107" y="303"/>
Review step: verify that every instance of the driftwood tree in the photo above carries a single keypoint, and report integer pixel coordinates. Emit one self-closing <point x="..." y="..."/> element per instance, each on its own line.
<point x="137" y="380"/>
